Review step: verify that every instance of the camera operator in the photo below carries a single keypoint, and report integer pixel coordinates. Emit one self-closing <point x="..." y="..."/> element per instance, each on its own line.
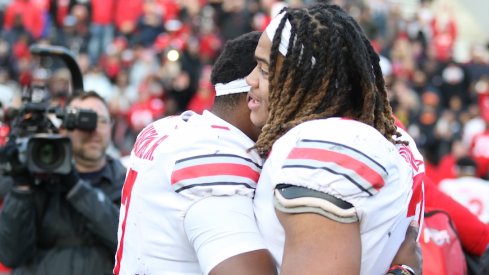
<point x="68" y="225"/>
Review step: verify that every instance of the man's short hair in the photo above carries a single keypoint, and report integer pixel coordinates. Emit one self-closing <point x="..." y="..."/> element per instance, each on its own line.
<point x="85" y="95"/>
<point x="466" y="166"/>
<point x="236" y="60"/>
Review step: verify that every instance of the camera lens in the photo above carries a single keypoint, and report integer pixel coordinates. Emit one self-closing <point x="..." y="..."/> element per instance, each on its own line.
<point x="47" y="155"/>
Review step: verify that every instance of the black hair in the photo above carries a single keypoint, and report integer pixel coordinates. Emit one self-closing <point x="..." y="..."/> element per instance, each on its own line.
<point x="466" y="162"/>
<point x="85" y="95"/>
<point x="236" y="61"/>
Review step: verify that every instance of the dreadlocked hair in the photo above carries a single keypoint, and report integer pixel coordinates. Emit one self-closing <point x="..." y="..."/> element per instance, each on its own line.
<point x="331" y="70"/>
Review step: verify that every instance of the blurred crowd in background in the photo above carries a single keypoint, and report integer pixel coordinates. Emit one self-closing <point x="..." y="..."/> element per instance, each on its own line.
<point x="152" y="58"/>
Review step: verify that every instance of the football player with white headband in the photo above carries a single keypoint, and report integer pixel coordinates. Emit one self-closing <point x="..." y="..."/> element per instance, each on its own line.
<point x="341" y="183"/>
<point x="187" y="201"/>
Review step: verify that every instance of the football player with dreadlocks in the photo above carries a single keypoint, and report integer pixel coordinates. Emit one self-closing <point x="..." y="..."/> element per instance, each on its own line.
<point x="344" y="181"/>
<point x="187" y="200"/>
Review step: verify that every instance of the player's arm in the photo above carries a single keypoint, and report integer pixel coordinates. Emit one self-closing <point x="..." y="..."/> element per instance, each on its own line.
<point x="257" y="262"/>
<point x="409" y="254"/>
<point x="220" y="224"/>
<point x="319" y="227"/>
<point x="306" y="237"/>
<point x="322" y="233"/>
<point x="318" y="245"/>
<point x="223" y="232"/>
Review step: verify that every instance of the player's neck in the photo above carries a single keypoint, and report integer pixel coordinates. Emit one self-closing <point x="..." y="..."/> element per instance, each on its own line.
<point x="239" y="118"/>
<point x="229" y="117"/>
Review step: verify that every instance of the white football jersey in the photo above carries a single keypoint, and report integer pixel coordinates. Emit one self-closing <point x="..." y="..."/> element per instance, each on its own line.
<point x="182" y="172"/>
<point x="415" y="160"/>
<point x="353" y="162"/>
<point x="471" y="192"/>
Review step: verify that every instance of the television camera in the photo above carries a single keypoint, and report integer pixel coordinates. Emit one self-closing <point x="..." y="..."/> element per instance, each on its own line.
<point x="34" y="127"/>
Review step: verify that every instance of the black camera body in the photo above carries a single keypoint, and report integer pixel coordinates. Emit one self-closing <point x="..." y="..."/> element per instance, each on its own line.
<point x="81" y="119"/>
<point x="35" y="125"/>
<point x="48" y="154"/>
<point x="40" y="146"/>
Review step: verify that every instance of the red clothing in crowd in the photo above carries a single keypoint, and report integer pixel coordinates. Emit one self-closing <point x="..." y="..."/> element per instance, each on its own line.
<point x="444" y="169"/>
<point x="444" y="35"/>
<point x="198" y="104"/>
<point x="202" y="100"/>
<point x="62" y="11"/>
<point x="143" y="113"/>
<point x="43" y="5"/>
<point x="128" y="11"/>
<point x="103" y="11"/>
<point x="3" y="268"/>
<point x="4" y="131"/>
<point x="170" y="9"/>
<point x="473" y="234"/>
<point x="112" y="66"/>
<point x="483" y="101"/>
<point x="479" y="150"/>
<point x="209" y="46"/>
<point x="31" y="16"/>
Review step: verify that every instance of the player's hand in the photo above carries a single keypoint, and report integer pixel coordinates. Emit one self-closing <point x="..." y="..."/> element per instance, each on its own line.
<point x="410" y="251"/>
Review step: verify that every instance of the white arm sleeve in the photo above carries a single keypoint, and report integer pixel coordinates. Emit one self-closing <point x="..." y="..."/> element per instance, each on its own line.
<point x="221" y="227"/>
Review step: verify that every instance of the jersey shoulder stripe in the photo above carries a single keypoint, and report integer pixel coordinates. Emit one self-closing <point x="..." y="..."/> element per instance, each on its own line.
<point x="220" y="127"/>
<point x="215" y="170"/>
<point x="357" y="167"/>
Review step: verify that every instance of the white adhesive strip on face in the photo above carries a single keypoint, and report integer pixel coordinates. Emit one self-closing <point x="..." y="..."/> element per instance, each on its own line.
<point x="233" y="87"/>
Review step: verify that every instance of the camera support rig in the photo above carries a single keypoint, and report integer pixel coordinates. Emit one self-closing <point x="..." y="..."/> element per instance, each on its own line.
<point x="68" y="58"/>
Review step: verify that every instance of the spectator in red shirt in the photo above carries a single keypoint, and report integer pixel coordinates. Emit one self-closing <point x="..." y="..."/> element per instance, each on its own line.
<point x="101" y="28"/>
<point x="479" y="150"/>
<point x="444" y="30"/>
<point x="149" y="106"/>
<point x="204" y="97"/>
<point x="127" y="13"/>
<point x="30" y="14"/>
<point x="446" y="166"/>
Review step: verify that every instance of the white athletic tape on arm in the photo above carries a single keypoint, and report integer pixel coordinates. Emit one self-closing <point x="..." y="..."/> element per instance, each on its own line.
<point x="314" y="205"/>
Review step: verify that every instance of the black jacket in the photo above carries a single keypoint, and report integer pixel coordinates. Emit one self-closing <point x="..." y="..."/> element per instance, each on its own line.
<point x="50" y="231"/>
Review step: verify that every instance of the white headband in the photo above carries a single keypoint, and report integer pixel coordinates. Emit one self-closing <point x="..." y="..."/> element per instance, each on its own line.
<point x="284" y="39"/>
<point x="233" y="87"/>
<point x="272" y="28"/>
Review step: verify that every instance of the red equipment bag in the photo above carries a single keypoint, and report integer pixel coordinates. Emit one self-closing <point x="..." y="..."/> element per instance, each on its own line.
<point x="441" y="246"/>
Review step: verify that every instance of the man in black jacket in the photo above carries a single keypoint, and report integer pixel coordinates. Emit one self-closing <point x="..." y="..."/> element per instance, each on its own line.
<point x="68" y="226"/>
